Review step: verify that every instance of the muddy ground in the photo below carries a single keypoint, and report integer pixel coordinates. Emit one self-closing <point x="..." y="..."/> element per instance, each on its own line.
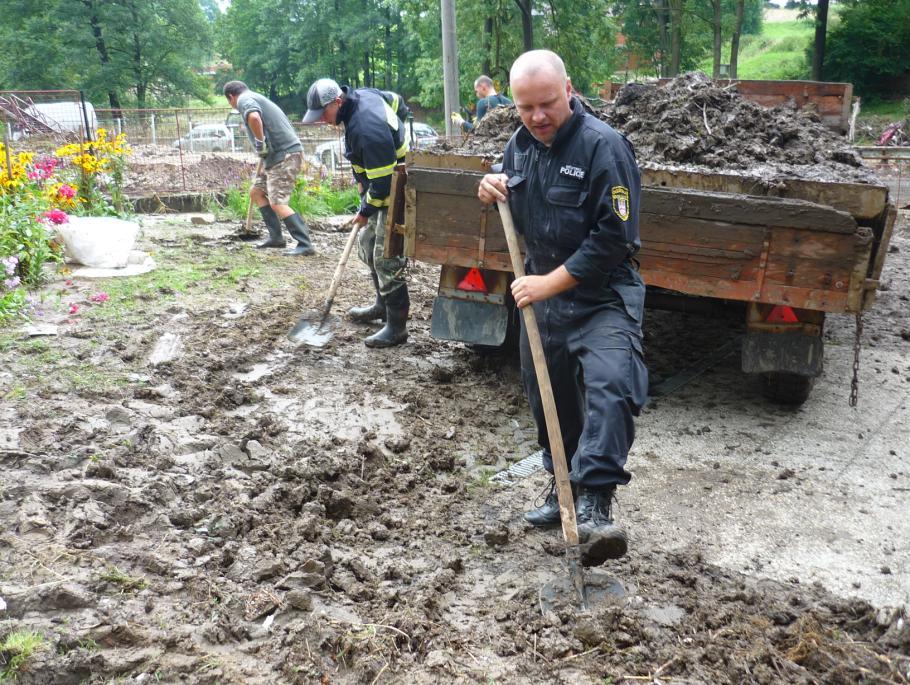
<point x="187" y="497"/>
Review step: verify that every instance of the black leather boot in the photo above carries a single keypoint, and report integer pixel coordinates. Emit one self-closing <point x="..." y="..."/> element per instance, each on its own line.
<point x="600" y="537"/>
<point x="547" y="514"/>
<point x="273" y="223"/>
<point x="395" y="331"/>
<point x="370" y="312"/>
<point x="298" y="231"/>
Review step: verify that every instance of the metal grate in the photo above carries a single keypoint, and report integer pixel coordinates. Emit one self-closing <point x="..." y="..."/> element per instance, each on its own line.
<point x="520" y="469"/>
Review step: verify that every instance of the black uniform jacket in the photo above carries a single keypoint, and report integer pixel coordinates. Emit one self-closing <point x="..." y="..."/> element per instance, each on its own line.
<point x="375" y="143"/>
<point x="576" y="203"/>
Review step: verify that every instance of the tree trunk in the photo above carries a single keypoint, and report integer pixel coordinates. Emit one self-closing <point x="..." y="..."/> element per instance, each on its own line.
<point x="485" y="66"/>
<point x="662" y="10"/>
<point x="527" y="27"/>
<point x="676" y="12"/>
<point x="734" y="42"/>
<point x="716" y="23"/>
<point x="388" y="48"/>
<point x="821" y="28"/>
<point x="101" y="47"/>
<point x="138" y="70"/>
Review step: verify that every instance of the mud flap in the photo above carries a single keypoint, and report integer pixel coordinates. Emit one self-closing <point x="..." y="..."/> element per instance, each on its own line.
<point x="475" y="323"/>
<point x="793" y="353"/>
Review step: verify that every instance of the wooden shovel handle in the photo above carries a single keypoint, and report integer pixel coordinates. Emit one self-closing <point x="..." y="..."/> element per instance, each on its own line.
<point x="336" y="279"/>
<point x="560" y="468"/>
<point x="249" y="207"/>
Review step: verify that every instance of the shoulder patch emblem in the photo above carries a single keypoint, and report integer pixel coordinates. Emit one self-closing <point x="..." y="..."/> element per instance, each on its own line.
<point x="621" y="202"/>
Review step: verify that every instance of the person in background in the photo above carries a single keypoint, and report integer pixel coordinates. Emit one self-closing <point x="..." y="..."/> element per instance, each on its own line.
<point x="375" y="144"/>
<point x="277" y="145"/>
<point x="487" y="99"/>
<point x="573" y="186"/>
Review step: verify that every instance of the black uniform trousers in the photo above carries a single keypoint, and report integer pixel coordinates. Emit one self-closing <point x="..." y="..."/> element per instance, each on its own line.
<point x="600" y="382"/>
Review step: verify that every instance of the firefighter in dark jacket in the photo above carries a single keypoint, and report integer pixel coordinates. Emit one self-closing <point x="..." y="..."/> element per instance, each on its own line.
<point x="573" y="186"/>
<point x="375" y="144"/>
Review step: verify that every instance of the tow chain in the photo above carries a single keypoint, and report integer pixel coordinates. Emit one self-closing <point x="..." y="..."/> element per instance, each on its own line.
<point x="854" y="383"/>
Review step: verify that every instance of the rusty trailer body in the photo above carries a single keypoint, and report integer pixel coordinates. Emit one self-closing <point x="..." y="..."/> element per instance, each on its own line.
<point x="811" y="247"/>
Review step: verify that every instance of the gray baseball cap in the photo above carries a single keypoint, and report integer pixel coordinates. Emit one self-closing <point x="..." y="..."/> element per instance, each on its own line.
<point x="321" y="93"/>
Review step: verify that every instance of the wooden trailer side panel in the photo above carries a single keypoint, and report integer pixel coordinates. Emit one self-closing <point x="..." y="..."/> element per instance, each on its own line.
<point x="697" y="242"/>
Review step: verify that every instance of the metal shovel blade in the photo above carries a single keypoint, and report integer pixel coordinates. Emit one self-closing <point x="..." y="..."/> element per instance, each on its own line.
<point x="306" y="332"/>
<point x="561" y="593"/>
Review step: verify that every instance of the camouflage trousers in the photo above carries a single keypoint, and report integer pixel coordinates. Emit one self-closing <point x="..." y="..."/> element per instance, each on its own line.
<point x="389" y="270"/>
<point x="277" y="182"/>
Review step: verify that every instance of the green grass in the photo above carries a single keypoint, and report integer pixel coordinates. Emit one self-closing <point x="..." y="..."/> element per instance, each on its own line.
<point x="17" y="648"/>
<point x="309" y="200"/>
<point x="125" y="581"/>
<point x="176" y="274"/>
<point x="779" y="52"/>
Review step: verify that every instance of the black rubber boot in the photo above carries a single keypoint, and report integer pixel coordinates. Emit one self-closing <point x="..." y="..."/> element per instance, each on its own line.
<point x="601" y="539"/>
<point x="298" y="231"/>
<point x="273" y="223"/>
<point x="395" y="331"/>
<point x="370" y="312"/>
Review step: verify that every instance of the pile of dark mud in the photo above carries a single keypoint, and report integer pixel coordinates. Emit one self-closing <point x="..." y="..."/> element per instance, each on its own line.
<point x="691" y="123"/>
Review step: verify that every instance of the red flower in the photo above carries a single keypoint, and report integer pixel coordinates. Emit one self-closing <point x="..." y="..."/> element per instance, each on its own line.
<point x="74" y="308"/>
<point x="56" y="216"/>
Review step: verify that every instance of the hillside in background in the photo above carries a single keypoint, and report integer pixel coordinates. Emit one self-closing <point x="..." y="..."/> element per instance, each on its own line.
<point x="779" y="52"/>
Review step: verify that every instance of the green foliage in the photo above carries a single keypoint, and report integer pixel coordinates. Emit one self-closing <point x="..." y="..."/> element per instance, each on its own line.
<point x="123" y="51"/>
<point x="321" y="199"/>
<point x="870" y="46"/>
<point x="17" y="648"/>
<point x="777" y="53"/>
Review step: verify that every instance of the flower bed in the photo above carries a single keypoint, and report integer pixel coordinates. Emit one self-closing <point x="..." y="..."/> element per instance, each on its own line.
<point x="38" y="193"/>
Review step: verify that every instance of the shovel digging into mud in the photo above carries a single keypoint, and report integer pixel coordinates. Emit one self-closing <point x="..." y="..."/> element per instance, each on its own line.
<point x="560" y="468"/>
<point x="316" y="335"/>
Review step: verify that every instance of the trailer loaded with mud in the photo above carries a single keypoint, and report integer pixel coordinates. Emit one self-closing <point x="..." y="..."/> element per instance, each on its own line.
<point x="760" y="210"/>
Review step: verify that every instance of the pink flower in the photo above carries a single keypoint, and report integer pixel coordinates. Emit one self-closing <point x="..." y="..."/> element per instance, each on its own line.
<point x="74" y="308"/>
<point x="56" y="216"/>
<point x="66" y="191"/>
<point x="100" y="297"/>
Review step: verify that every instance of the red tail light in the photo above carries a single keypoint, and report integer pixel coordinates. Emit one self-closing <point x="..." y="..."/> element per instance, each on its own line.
<point x="782" y="314"/>
<point x="473" y="282"/>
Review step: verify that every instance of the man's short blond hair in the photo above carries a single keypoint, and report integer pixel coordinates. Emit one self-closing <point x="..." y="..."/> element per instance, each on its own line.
<point x="533" y="62"/>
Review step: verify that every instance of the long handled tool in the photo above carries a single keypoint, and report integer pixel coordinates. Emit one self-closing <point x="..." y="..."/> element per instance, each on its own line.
<point x="563" y="486"/>
<point x="249" y="208"/>
<point x="304" y="331"/>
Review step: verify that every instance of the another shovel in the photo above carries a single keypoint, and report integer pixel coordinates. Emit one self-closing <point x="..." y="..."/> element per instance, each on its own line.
<point x="563" y="486"/>
<point x="305" y="331"/>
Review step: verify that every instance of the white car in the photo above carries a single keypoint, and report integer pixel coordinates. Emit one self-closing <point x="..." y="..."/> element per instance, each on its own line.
<point x="421" y="135"/>
<point x="207" y="138"/>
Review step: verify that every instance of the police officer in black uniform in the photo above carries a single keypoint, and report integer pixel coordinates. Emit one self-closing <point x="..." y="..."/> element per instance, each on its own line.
<point x="573" y="186"/>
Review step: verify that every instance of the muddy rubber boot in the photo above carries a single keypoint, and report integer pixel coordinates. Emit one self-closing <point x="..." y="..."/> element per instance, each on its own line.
<point x="273" y="223"/>
<point x="370" y="312"/>
<point x="599" y="537"/>
<point x="395" y="331"/>
<point x="298" y="231"/>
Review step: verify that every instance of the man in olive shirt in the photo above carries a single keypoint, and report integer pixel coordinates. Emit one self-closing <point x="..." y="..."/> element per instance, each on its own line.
<point x="277" y="145"/>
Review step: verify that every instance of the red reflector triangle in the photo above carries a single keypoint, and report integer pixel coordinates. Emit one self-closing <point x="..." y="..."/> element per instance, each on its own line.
<point x="782" y="314"/>
<point x="473" y="282"/>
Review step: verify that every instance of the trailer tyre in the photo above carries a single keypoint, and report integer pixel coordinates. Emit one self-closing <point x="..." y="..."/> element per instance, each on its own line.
<point x="786" y="388"/>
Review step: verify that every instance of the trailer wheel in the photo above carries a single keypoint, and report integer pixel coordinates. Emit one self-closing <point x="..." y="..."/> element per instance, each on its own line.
<point x="786" y="388"/>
